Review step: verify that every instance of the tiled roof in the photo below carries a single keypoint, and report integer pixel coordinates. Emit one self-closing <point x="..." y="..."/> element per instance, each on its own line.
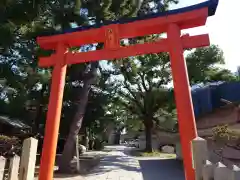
<point x="13" y="122"/>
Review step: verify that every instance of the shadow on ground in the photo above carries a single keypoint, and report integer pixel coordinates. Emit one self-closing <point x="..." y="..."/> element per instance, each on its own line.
<point x="87" y="163"/>
<point x="151" y="169"/>
<point x="56" y="174"/>
<point x="162" y="169"/>
<point x="112" y="163"/>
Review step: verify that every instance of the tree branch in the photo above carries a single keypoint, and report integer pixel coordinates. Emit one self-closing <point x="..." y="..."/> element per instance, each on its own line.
<point x="131" y="109"/>
<point x="162" y="80"/>
<point x="77" y="8"/>
<point x="140" y="88"/>
<point x="107" y="4"/>
<point x="134" y="97"/>
<point x="143" y="82"/>
<point x="136" y="6"/>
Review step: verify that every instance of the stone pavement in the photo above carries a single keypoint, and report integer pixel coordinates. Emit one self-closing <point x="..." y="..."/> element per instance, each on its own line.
<point x="118" y="165"/>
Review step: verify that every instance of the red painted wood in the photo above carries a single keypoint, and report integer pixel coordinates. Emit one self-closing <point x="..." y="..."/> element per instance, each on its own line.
<point x="53" y="117"/>
<point x="160" y="25"/>
<point x="74" y="39"/>
<point x="185" y="113"/>
<point x="174" y="44"/>
<point x="188" y="42"/>
<point x="195" y="41"/>
<point x="112" y="41"/>
<point x="134" y="29"/>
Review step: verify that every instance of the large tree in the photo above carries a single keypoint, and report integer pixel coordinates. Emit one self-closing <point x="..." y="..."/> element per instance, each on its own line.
<point x="144" y="91"/>
<point x="96" y="13"/>
<point x="25" y="87"/>
<point x="206" y="65"/>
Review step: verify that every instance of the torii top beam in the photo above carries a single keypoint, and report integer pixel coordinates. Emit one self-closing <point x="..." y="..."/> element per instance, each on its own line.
<point x="112" y="32"/>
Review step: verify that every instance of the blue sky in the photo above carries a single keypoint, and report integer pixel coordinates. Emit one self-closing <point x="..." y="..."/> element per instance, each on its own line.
<point x="223" y="29"/>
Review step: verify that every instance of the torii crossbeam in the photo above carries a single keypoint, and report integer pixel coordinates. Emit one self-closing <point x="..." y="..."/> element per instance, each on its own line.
<point x="110" y="33"/>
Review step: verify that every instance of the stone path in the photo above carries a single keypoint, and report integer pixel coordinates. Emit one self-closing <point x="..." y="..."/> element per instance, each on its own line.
<point x="118" y="165"/>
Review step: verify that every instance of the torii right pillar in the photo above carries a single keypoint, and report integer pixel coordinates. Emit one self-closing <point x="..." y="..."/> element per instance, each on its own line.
<point x="182" y="91"/>
<point x="185" y="113"/>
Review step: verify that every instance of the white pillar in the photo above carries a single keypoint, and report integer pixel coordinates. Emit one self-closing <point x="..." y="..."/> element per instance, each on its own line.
<point x="28" y="159"/>
<point x="235" y="173"/>
<point x="14" y="167"/>
<point x="221" y="172"/>
<point x="2" y="166"/>
<point x="199" y="155"/>
<point x="208" y="171"/>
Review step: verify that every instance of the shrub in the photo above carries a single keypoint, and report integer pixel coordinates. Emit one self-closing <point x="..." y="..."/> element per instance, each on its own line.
<point x="98" y="144"/>
<point x="9" y="146"/>
<point x="223" y="133"/>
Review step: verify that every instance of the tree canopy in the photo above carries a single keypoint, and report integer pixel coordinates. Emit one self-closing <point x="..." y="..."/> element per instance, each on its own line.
<point x="132" y="93"/>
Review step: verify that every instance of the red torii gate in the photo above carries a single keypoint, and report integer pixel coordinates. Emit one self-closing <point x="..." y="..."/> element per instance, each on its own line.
<point x="110" y="34"/>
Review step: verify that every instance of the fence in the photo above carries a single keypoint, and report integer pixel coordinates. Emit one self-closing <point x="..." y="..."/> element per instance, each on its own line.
<point x="23" y="168"/>
<point x="205" y="169"/>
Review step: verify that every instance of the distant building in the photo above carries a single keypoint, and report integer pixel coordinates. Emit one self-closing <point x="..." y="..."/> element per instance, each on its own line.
<point x="11" y="126"/>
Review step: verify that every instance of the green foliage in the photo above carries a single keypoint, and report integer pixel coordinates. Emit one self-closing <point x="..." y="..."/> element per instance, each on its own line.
<point x="238" y="72"/>
<point x="140" y="92"/>
<point x="204" y="65"/>
<point x="9" y="146"/>
<point x="223" y="133"/>
<point x="143" y="92"/>
<point x="152" y="154"/>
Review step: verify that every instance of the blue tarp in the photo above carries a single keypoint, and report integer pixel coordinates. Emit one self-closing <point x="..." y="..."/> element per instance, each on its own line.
<point x="202" y="101"/>
<point x="206" y="98"/>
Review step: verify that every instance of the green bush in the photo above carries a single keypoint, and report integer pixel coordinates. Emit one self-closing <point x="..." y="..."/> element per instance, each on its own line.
<point x="223" y="133"/>
<point x="9" y="146"/>
<point x="98" y="144"/>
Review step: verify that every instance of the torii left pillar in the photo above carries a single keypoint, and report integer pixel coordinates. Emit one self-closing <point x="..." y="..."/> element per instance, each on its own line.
<point x="53" y="114"/>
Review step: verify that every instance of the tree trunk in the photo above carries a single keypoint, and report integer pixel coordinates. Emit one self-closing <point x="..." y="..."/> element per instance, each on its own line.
<point x="86" y="138"/>
<point x="148" y="135"/>
<point x="69" y="147"/>
<point x="39" y="112"/>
